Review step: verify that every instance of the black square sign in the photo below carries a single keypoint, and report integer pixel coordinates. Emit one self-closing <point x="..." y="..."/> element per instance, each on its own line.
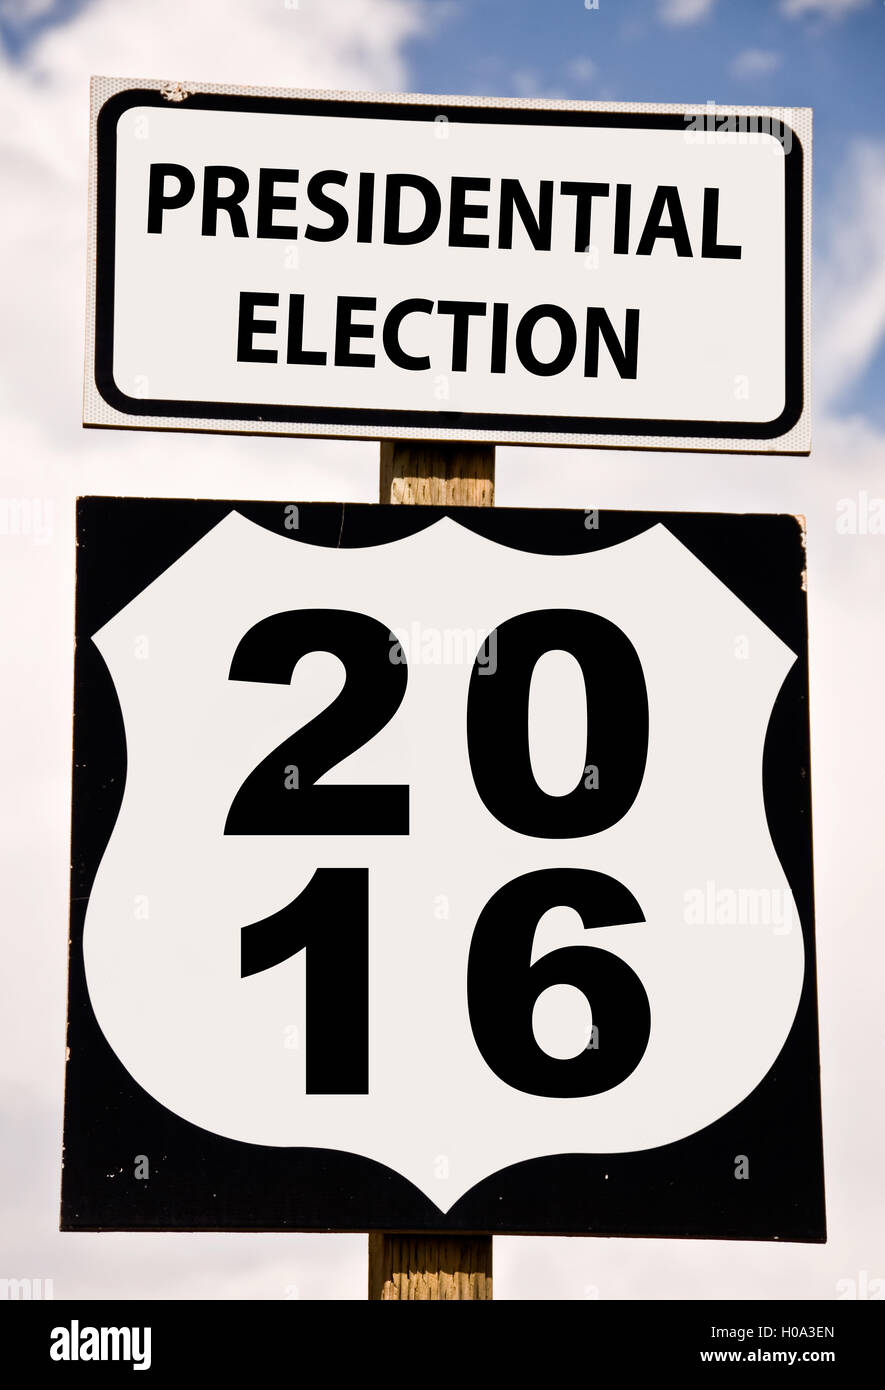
<point x="441" y="869"/>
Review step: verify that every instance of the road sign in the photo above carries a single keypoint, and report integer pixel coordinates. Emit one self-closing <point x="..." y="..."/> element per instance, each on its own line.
<point x="441" y="869"/>
<point x="449" y="268"/>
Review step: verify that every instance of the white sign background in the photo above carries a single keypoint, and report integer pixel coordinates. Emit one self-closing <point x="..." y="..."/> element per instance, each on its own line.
<point x="712" y="336"/>
<point x="209" y="1045"/>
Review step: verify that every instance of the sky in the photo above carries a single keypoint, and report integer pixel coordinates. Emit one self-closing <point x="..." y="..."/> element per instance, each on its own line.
<point x="827" y="54"/>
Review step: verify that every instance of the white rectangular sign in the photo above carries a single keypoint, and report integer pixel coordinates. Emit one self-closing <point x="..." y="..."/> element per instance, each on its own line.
<point x="449" y="268"/>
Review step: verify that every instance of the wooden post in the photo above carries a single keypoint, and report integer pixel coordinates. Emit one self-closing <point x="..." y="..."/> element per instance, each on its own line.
<point x="433" y="1266"/>
<point x="428" y="1267"/>
<point x="437" y="475"/>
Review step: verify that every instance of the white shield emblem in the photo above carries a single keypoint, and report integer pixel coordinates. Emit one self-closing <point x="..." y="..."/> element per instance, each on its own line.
<point x="391" y="998"/>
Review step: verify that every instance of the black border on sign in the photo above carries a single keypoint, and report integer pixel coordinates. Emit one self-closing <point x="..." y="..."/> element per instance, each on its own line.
<point x="114" y="108"/>
<point x="202" y="1181"/>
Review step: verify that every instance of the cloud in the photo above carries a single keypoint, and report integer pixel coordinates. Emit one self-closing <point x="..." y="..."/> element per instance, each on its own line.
<point x="684" y="11"/>
<point x="530" y="84"/>
<point x="755" y="62"/>
<point x="19" y="13"/>
<point x="356" y="42"/>
<point x="44" y="106"/>
<point x="821" y="9"/>
<point x="526" y="83"/>
<point x="582" y="69"/>
<point x="850" y="277"/>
